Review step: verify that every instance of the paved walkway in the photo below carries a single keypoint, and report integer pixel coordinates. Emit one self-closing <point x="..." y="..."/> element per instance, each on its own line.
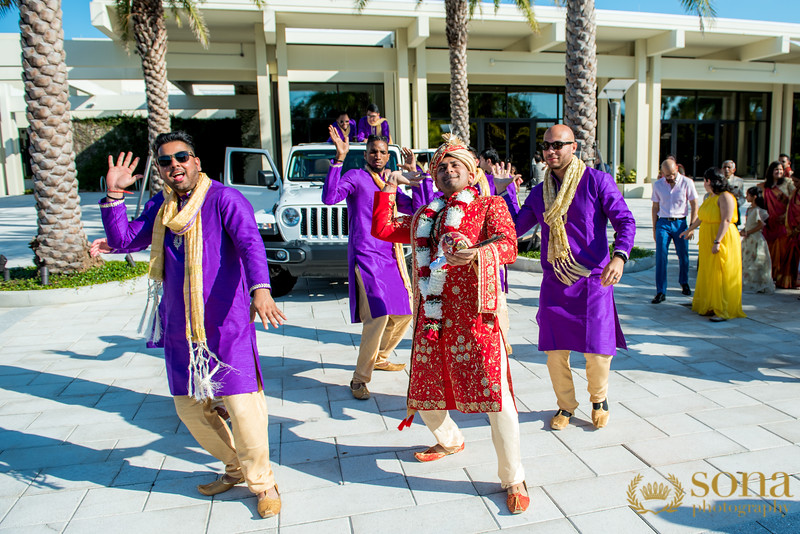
<point x="89" y="439"/>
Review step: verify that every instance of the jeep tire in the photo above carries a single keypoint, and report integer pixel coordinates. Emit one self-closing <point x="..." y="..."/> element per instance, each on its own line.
<point x="281" y="280"/>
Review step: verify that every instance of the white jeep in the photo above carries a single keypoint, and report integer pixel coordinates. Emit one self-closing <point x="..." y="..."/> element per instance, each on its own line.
<point x="302" y="236"/>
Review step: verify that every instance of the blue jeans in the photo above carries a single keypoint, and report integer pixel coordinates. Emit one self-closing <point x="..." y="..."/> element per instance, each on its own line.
<point x="667" y="230"/>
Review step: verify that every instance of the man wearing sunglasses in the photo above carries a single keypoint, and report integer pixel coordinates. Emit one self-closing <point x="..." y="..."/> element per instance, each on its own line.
<point x="574" y="204"/>
<point x="208" y="258"/>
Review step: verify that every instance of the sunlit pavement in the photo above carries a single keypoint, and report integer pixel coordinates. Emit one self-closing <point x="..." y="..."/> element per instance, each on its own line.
<point x="89" y="439"/>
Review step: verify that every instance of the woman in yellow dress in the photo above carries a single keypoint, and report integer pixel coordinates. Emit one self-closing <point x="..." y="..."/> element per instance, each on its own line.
<point x="718" y="289"/>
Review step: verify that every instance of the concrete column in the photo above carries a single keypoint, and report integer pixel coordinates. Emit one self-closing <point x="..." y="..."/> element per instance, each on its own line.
<point x="654" y="101"/>
<point x="284" y="103"/>
<point x="401" y="132"/>
<point x="775" y="123"/>
<point x="603" y="142"/>
<point x="12" y="181"/>
<point x="264" y="85"/>
<point x="788" y="109"/>
<point x="389" y="108"/>
<point x="637" y="129"/>
<point x="420" y="98"/>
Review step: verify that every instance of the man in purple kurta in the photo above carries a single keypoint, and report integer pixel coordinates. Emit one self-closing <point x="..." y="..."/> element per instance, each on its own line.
<point x="345" y="127"/>
<point x="373" y="124"/>
<point x="580" y="314"/>
<point x="233" y="267"/>
<point x="379" y="285"/>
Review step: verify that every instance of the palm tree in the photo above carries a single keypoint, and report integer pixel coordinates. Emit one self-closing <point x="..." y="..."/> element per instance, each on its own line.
<point x="580" y="98"/>
<point x="143" y="22"/>
<point x="457" y="16"/>
<point x="60" y="243"/>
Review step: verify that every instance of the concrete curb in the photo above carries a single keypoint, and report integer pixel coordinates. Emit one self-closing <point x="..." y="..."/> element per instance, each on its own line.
<point x="533" y="265"/>
<point x="72" y="295"/>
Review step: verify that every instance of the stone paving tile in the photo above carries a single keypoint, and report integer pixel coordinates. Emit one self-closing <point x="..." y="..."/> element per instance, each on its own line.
<point x="610" y="460"/>
<point x="607" y="491"/>
<point x="743" y="415"/>
<point x="686" y="403"/>
<point x="101" y="502"/>
<point x="788" y="430"/>
<point x="555" y="526"/>
<point x="41" y="509"/>
<point x="676" y="449"/>
<point x="449" y="485"/>
<point x="615" y="520"/>
<point x="676" y="424"/>
<point x="754" y="437"/>
<point x="777" y="459"/>
<point x="187" y="519"/>
<point x="73" y="477"/>
<point x="170" y="493"/>
<point x="457" y="517"/>
<point x="346" y="500"/>
<point x="332" y="526"/>
<point x="370" y="467"/>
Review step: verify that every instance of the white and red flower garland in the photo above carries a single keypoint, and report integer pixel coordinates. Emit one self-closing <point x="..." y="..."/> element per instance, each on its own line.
<point x="431" y="275"/>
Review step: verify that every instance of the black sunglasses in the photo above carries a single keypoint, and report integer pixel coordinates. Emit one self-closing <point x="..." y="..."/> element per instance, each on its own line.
<point x="181" y="157"/>
<point x="556" y="145"/>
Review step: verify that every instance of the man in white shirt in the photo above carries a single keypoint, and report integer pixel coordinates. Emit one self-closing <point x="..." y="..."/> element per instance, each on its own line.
<point x="673" y="196"/>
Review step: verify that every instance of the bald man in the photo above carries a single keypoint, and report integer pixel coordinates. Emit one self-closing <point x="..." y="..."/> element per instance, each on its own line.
<point x="674" y="195"/>
<point x="574" y="204"/>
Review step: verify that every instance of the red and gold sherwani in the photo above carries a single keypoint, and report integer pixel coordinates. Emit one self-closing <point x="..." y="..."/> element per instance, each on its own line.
<point x="456" y="358"/>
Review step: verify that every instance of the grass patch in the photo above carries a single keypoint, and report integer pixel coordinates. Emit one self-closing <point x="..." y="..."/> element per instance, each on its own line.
<point x="637" y="253"/>
<point x="27" y="278"/>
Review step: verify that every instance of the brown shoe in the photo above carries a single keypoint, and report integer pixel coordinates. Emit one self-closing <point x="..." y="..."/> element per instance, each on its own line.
<point x="361" y="392"/>
<point x="560" y="420"/>
<point x="268" y="507"/>
<point x="217" y="487"/>
<point x="600" y="414"/>
<point x="386" y="365"/>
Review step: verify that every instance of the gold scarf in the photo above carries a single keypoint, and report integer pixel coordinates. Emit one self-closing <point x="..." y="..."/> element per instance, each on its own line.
<point x="556" y="204"/>
<point x="397" y="247"/>
<point x="188" y="224"/>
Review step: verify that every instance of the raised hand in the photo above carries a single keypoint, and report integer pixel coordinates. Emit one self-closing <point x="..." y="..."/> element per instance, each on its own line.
<point x="342" y="145"/>
<point x="409" y="160"/>
<point x="502" y="176"/>
<point x="120" y="174"/>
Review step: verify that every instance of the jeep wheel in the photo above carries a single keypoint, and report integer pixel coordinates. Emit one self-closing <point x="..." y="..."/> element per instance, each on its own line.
<point x="281" y="281"/>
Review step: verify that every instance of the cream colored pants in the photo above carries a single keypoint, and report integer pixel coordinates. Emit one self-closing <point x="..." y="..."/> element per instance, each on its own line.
<point x="245" y="450"/>
<point x="379" y="335"/>
<point x="598" y="367"/>
<point x="505" y="431"/>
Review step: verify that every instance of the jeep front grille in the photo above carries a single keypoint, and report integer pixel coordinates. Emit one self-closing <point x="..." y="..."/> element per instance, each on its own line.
<point x="323" y="222"/>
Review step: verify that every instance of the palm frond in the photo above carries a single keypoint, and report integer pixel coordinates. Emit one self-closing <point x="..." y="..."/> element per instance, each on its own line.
<point x="702" y="8"/>
<point x="526" y="7"/>
<point x="7" y="6"/>
<point x="123" y="9"/>
<point x="362" y="4"/>
<point x="196" y="22"/>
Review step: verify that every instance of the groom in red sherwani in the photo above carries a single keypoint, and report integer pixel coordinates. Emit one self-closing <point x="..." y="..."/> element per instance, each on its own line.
<point x="459" y="356"/>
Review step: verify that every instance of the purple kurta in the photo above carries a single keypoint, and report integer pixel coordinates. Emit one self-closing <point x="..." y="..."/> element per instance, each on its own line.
<point x="386" y="291"/>
<point x="582" y="317"/>
<point x="365" y="130"/>
<point x="353" y="131"/>
<point x="234" y="263"/>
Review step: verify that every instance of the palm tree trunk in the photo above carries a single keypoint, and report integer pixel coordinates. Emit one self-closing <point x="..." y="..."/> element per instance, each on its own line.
<point x="61" y="243"/>
<point x="150" y="33"/>
<point x="457" y="17"/>
<point x="580" y="100"/>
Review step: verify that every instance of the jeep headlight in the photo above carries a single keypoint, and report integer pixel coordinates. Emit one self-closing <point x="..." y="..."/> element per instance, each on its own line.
<point x="290" y="217"/>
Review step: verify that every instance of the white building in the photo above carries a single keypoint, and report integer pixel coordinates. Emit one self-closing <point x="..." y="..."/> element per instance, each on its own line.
<point x="728" y="92"/>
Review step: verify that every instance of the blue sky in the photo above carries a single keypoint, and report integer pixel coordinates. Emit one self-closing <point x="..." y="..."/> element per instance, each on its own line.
<point x="77" y="23"/>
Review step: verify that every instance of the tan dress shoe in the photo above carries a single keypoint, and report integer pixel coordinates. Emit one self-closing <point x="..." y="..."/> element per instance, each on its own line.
<point x="600" y="414"/>
<point x="217" y="487"/>
<point x="359" y="390"/>
<point x="560" y="420"/>
<point x="389" y="366"/>
<point x="268" y="507"/>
